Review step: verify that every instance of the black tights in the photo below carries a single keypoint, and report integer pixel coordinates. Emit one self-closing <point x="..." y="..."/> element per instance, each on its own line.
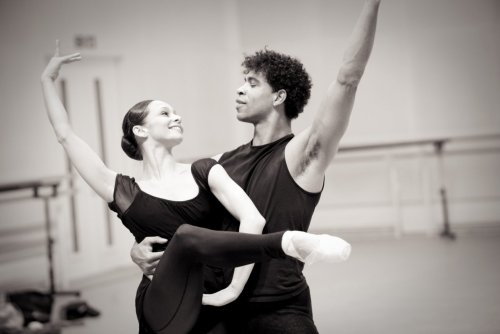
<point x="173" y="299"/>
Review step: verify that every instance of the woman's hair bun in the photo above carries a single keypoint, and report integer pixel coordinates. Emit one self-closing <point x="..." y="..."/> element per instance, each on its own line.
<point x="130" y="147"/>
<point x="135" y="116"/>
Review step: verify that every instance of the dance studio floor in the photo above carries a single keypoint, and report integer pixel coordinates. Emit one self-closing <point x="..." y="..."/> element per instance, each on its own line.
<point x="415" y="284"/>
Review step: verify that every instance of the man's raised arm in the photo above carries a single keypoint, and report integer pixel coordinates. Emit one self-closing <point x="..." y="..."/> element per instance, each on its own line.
<point x="311" y="151"/>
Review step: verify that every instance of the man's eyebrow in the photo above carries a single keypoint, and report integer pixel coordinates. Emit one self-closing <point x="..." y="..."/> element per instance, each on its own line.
<point x="251" y="78"/>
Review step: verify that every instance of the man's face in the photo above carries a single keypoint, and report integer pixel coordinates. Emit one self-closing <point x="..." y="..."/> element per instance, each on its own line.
<point x="255" y="98"/>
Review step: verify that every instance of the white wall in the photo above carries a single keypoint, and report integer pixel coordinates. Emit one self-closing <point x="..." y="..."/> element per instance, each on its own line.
<point x="434" y="71"/>
<point x="397" y="190"/>
<point x="184" y="52"/>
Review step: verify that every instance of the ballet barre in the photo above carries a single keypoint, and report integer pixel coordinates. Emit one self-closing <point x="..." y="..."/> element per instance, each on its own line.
<point x="43" y="189"/>
<point x="438" y="144"/>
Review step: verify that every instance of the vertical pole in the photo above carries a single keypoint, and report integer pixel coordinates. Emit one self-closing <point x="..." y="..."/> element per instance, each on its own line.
<point x="50" y="241"/>
<point x="446" y="233"/>
<point x="395" y="196"/>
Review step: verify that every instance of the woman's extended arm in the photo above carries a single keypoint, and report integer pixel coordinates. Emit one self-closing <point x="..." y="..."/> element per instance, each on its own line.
<point x="237" y="202"/>
<point x="87" y="162"/>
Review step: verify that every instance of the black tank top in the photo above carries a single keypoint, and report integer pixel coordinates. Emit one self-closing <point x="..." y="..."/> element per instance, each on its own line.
<point x="263" y="173"/>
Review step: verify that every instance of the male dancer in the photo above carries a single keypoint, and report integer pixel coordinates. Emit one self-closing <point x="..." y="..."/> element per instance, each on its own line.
<point x="284" y="174"/>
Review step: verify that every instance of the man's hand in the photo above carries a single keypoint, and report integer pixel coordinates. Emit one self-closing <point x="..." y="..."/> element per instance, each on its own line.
<point x="142" y="254"/>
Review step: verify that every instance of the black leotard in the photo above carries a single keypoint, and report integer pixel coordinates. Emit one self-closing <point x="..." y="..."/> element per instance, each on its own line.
<point x="147" y="215"/>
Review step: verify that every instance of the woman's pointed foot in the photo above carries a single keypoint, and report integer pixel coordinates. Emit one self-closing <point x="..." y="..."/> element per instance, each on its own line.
<point x="311" y="248"/>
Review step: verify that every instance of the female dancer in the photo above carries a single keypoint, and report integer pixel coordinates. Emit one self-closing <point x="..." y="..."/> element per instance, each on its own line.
<point x="177" y="201"/>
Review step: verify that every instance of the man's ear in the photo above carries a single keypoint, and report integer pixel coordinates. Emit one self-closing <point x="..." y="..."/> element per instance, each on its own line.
<point x="140" y="131"/>
<point x="279" y="97"/>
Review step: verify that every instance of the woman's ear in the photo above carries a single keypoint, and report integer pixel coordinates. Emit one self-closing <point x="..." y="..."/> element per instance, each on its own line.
<point x="279" y="97"/>
<point x="140" y="131"/>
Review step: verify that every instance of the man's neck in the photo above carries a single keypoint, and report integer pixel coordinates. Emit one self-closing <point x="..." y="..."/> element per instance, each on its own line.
<point x="265" y="133"/>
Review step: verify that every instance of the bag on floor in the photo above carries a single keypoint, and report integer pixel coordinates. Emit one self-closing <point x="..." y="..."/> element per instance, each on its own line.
<point x="35" y="306"/>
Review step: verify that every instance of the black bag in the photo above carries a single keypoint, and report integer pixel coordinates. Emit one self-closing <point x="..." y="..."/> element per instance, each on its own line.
<point x="35" y="306"/>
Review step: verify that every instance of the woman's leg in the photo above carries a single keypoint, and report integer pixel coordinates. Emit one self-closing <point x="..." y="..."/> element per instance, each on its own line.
<point x="173" y="299"/>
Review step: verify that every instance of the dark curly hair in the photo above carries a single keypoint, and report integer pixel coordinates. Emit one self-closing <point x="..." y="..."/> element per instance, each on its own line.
<point x="135" y="116"/>
<point x="283" y="72"/>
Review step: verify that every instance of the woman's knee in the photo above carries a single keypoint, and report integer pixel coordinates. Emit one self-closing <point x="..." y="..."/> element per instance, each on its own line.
<point x="188" y="237"/>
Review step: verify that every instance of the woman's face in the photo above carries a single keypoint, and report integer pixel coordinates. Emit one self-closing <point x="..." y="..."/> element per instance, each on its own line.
<point x="163" y="124"/>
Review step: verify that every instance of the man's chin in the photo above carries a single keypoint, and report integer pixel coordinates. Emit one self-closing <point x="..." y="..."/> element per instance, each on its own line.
<point x="243" y="118"/>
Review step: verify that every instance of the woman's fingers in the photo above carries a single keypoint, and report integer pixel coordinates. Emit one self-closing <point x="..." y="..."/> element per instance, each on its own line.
<point x="68" y="58"/>
<point x="72" y="57"/>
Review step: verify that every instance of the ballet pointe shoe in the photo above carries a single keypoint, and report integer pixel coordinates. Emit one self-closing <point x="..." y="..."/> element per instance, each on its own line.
<point x="329" y="249"/>
<point x="312" y="248"/>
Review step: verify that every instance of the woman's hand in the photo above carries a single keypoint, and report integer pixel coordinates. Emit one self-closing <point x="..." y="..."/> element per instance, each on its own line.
<point x="52" y="70"/>
<point x="220" y="298"/>
<point x="89" y="165"/>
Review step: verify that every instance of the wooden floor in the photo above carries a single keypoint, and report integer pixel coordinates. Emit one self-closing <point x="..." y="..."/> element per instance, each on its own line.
<point x="411" y="285"/>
